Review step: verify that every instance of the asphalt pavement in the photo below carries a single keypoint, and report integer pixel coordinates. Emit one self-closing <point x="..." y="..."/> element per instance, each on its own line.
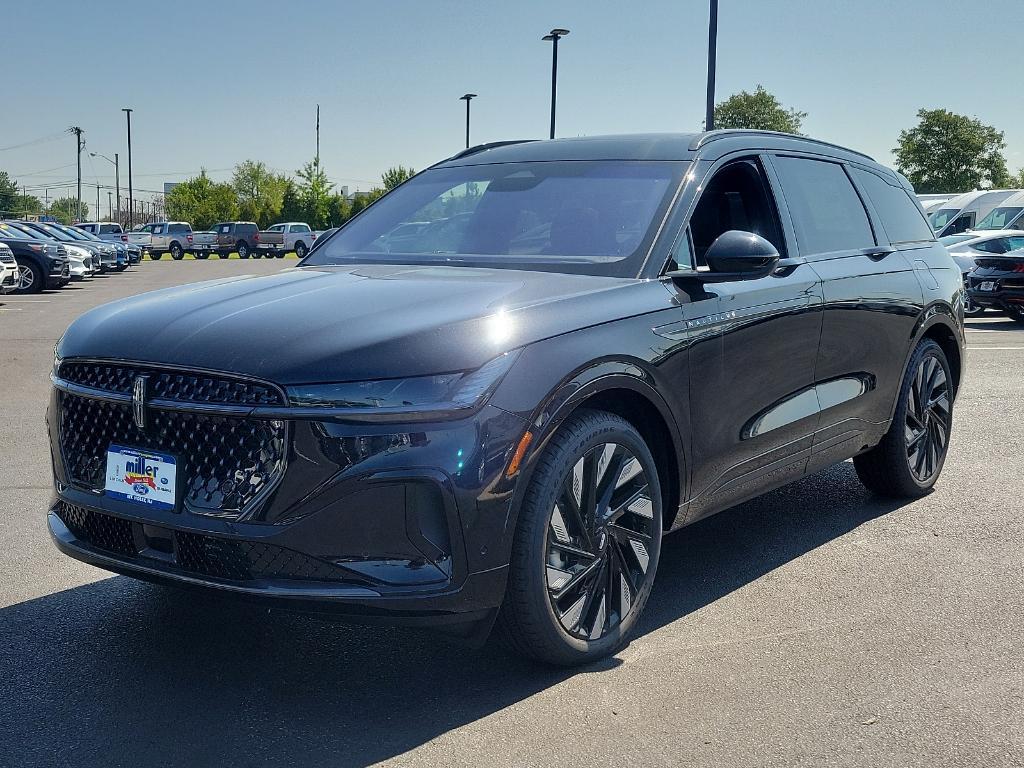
<point x="817" y="625"/>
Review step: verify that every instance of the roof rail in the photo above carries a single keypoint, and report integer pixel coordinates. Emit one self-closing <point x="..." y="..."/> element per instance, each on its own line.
<point x="725" y="133"/>
<point x="484" y="148"/>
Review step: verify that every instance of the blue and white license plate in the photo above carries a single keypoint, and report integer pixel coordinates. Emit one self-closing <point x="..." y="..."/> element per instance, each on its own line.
<point x="143" y="477"/>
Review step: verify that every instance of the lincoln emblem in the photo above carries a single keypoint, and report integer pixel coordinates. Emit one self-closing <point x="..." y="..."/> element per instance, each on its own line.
<point x="139" y="401"/>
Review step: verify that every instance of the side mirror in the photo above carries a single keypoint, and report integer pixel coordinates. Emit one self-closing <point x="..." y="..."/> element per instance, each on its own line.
<point x="735" y="255"/>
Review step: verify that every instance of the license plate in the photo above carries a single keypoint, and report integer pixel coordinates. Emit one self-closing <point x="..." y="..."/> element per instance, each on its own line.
<point x="988" y="285"/>
<point x="142" y="477"/>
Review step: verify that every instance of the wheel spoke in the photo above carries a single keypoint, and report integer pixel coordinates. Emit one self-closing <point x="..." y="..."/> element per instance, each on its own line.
<point x="569" y="549"/>
<point x="577" y="578"/>
<point x="567" y="503"/>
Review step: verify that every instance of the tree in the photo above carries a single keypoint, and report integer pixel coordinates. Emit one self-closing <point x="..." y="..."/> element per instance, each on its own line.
<point x="260" y="192"/>
<point x="392" y="177"/>
<point x="29" y="205"/>
<point x="65" y="210"/>
<point x="8" y="193"/>
<point x="760" y="110"/>
<point x="340" y="210"/>
<point x="315" y="194"/>
<point x="1017" y="182"/>
<point x="291" y="203"/>
<point x="946" y="152"/>
<point x="202" y="202"/>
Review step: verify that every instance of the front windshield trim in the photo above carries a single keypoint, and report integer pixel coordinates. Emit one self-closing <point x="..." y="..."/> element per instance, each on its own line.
<point x="629" y="224"/>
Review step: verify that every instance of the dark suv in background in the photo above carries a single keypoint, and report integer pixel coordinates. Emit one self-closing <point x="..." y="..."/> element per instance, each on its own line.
<point x="490" y="418"/>
<point x="42" y="262"/>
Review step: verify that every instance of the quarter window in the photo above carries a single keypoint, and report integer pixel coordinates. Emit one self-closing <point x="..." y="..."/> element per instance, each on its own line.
<point x="828" y="215"/>
<point x="902" y="220"/>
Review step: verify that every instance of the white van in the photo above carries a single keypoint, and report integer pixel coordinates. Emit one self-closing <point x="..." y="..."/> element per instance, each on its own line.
<point x="964" y="211"/>
<point x="1009" y="214"/>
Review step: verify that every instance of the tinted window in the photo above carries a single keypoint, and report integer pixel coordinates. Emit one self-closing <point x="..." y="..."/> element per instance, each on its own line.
<point x="587" y="217"/>
<point x="109" y="228"/>
<point x="277" y="228"/>
<point x="87" y="227"/>
<point x="178" y="228"/>
<point x="827" y="213"/>
<point x="900" y="216"/>
<point x="224" y="229"/>
<point x="299" y="228"/>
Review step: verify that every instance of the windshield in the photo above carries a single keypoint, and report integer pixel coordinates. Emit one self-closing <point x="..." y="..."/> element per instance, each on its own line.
<point x="954" y="239"/>
<point x="585" y="217"/>
<point x="943" y="216"/>
<point x="15" y="233"/>
<point x="999" y="218"/>
<point x="79" y="234"/>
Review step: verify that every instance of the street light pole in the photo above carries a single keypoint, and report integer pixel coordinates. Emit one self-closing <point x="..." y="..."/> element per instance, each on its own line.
<point x="709" y="114"/>
<point x="554" y="36"/>
<point x="117" y="178"/>
<point x="467" y="98"/>
<point x="131" y="204"/>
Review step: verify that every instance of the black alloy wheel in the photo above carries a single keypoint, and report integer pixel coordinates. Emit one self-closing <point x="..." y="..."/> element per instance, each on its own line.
<point x="587" y="543"/>
<point x="909" y="458"/>
<point x="31" y="278"/>
<point x="1016" y="314"/>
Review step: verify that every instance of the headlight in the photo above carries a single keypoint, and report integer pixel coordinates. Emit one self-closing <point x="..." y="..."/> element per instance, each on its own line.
<point x="419" y="396"/>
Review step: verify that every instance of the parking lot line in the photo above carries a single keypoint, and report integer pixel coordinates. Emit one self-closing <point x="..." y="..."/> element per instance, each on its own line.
<point x="997" y="349"/>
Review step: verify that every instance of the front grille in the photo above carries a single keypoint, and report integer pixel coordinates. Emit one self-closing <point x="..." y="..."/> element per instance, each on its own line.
<point x="201" y="555"/>
<point x="183" y="386"/>
<point x="6" y="257"/>
<point x="225" y="463"/>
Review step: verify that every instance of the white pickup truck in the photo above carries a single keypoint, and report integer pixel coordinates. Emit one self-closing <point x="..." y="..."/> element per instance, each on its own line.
<point x="298" y="237"/>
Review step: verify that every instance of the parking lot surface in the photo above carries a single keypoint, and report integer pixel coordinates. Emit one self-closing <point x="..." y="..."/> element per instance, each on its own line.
<point x="815" y="625"/>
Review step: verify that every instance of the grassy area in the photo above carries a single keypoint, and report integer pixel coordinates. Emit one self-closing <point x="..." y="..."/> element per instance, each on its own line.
<point x="214" y="257"/>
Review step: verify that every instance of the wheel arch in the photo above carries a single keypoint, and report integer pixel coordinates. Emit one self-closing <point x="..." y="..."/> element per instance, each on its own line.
<point x="624" y="389"/>
<point x="940" y="324"/>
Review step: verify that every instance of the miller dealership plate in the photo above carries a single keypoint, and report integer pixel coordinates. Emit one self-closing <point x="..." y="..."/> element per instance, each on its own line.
<point x="143" y="477"/>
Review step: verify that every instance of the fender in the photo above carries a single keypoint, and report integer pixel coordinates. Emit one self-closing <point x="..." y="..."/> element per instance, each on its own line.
<point x="936" y="313"/>
<point x="569" y="394"/>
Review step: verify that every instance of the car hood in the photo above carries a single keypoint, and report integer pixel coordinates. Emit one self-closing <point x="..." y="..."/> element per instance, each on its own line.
<point x="321" y="324"/>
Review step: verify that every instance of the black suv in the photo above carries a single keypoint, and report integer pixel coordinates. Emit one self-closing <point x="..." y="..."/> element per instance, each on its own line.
<point x="588" y="343"/>
<point x="42" y="262"/>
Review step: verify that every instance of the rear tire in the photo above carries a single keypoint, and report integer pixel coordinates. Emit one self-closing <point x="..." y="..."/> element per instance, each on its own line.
<point x="586" y="545"/>
<point x="910" y="457"/>
<point x="201" y="255"/>
<point x="155" y="256"/>
<point x="243" y="250"/>
<point x="176" y="253"/>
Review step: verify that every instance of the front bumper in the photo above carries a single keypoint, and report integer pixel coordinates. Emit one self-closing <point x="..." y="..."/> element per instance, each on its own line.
<point x="9" y="278"/>
<point x="400" y="522"/>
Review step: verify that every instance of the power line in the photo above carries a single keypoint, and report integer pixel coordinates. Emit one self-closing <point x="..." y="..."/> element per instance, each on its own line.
<point x="40" y="140"/>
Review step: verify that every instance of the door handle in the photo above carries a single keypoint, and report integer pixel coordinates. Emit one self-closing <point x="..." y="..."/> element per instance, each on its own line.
<point x="879" y="252"/>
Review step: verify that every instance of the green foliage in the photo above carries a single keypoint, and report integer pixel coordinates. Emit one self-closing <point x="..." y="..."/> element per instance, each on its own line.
<point x="260" y="192"/>
<point x="26" y="205"/>
<point x="947" y="152"/>
<point x="291" y="203"/>
<point x="8" y="193"/>
<point x="65" y="210"/>
<point x="392" y="177"/>
<point x="1017" y="182"/>
<point x="340" y="210"/>
<point x="759" y="110"/>
<point x="315" y="194"/>
<point x="202" y="202"/>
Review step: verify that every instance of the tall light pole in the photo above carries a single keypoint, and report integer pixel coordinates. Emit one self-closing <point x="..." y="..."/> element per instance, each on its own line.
<point x="131" y="201"/>
<point x="709" y="114"/>
<point x="467" y="98"/>
<point x="79" y="144"/>
<point x="554" y="36"/>
<point x="117" y="178"/>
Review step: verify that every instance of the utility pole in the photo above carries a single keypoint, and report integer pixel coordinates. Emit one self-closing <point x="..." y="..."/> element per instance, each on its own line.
<point x="117" y="185"/>
<point x="131" y="204"/>
<point x="318" y="134"/>
<point x="709" y="114"/>
<point x="110" y="207"/>
<point x="79" y="144"/>
<point x="97" y="202"/>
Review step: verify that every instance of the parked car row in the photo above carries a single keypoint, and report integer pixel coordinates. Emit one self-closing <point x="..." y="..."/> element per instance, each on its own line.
<point x="50" y="255"/>
<point x="979" y="210"/>
<point x="992" y="264"/>
<point x="177" y="239"/>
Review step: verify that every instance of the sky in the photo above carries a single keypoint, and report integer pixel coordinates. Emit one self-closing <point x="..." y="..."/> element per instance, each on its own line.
<point x="217" y="82"/>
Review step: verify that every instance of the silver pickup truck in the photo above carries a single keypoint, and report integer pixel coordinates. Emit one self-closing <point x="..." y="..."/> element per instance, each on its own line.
<point x="173" y="237"/>
<point x="297" y="236"/>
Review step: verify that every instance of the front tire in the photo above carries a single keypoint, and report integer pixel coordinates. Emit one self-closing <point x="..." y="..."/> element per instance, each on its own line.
<point x="31" y="278"/>
<point x="910" y="457"/>
<point x="300" y="250"/>
<point x="1016" y="314"/>
<point x="586" y="546"/>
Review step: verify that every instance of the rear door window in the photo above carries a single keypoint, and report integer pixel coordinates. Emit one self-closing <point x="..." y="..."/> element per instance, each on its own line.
<point x="827" y="213"/>
<point x="298" y="228"/>
<point x="902" y="220"/>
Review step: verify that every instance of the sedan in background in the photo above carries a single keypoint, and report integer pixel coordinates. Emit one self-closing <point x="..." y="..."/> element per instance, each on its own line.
<point x="967" y="247"/>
